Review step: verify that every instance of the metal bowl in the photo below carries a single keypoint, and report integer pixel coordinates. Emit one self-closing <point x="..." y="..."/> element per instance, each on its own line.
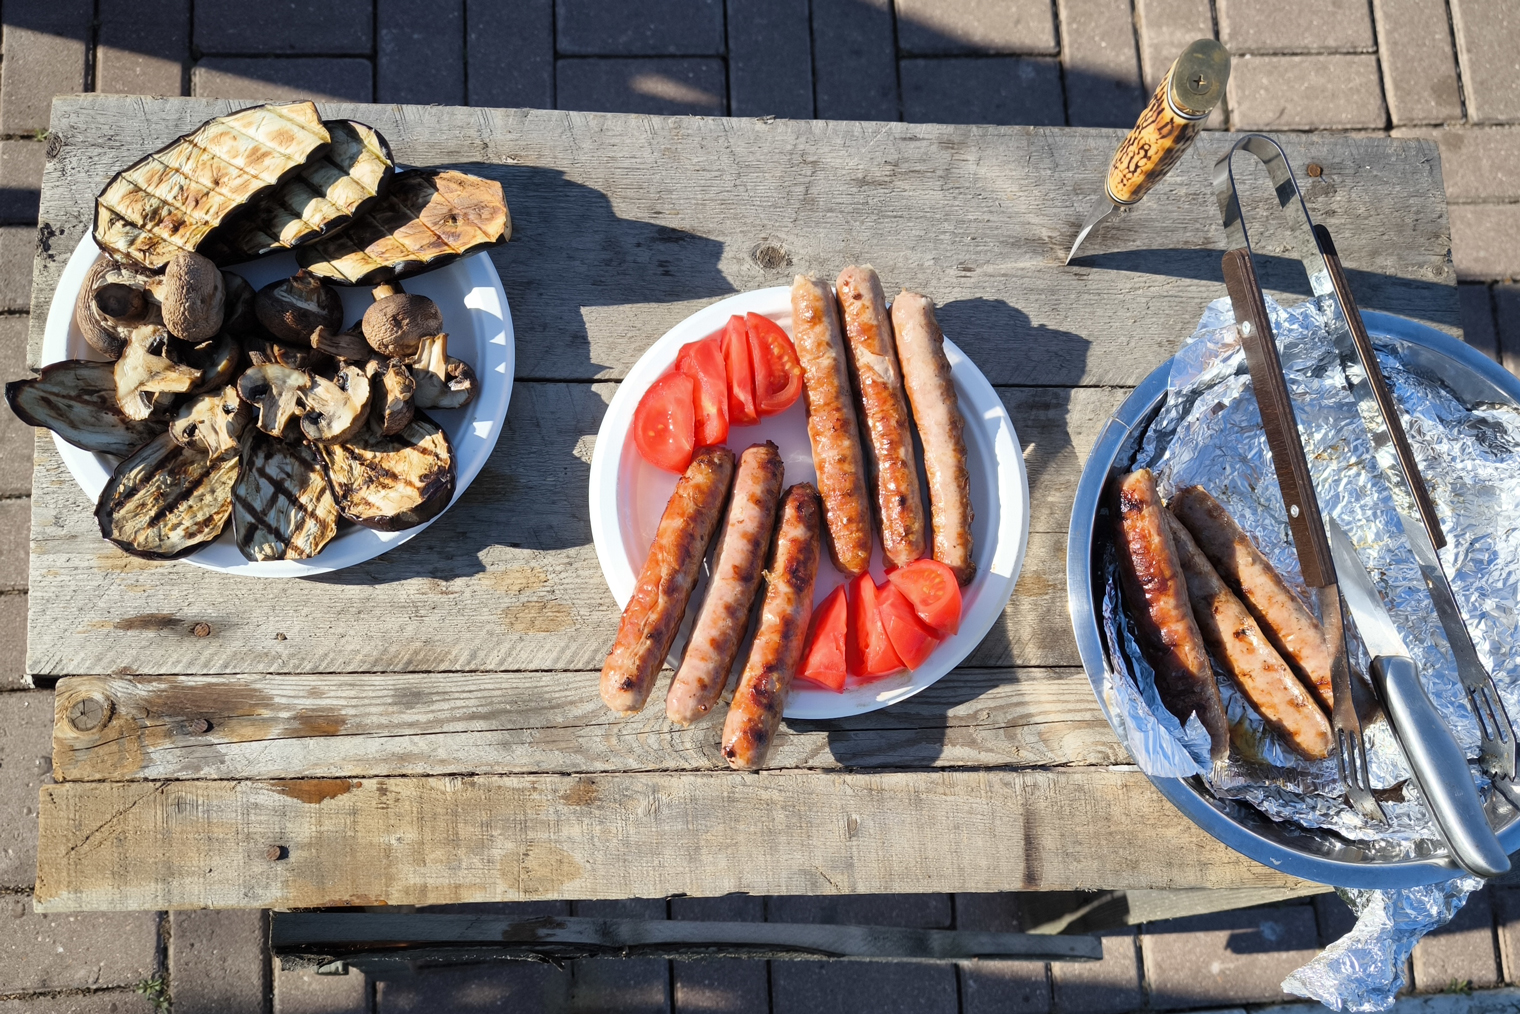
<point x="1316" y="855"/>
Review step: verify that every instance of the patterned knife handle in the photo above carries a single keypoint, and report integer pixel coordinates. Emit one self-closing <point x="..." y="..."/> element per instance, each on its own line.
<point x="1186" y="95"/>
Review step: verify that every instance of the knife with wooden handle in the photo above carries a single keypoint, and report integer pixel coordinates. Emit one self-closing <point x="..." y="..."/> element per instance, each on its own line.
<point x="1187" y="94"/>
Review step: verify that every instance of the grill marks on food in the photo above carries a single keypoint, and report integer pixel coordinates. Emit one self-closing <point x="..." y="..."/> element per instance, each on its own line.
<point x="391" y="482"/>
<point x="164" y="501"/>
<point x="282" y="507"/>
<point x="77" y="400"/>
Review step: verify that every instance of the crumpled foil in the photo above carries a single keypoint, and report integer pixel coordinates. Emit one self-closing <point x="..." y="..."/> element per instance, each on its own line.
<point x="1208" y="432"/>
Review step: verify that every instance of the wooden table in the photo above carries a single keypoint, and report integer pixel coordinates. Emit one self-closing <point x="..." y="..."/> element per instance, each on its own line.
<point x="425" y="728"/>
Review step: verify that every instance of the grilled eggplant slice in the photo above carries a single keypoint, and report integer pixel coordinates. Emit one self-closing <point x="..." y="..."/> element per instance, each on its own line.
<point x="282" y="508"/>
<point x="76" y="399"/>
<point x="391" y="483"/>
<point x="171" y="200"/>
<point x="426" y="218"/>
<point x="164" y="500"/>
<point x="322" y="198"/>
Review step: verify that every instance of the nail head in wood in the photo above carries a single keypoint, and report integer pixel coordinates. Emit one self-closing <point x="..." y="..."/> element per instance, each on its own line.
<point x="201" y="630"/>
<point x="200" y="726"/>
<point x="275" y="853"/>
<point x="1315" y="169"/>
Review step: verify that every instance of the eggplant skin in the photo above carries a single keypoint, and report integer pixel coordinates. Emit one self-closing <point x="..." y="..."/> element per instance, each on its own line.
<point x="165" y="501"/>
<point x="76" y="399"/>
<point x="392" y="483"/>
<point x="282" y="508"/>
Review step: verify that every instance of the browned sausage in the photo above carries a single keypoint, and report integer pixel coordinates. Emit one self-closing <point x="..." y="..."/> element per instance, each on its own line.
<point x="1158" y="599"/>
<point x="941" y="429"/>
<point x="736" y="569"/>
<point x="654" y="611"/>
<point x="761" y="694"/>
<point x="884" y="410"/>
<point x="1283" y="617"/>
<point x="832" y="426"/>
<point x="1242" y="650"/>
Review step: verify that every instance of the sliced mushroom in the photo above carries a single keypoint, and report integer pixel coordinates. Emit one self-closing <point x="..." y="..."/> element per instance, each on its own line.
<point x="275" y="392"/>
<point x="295" y="307"/>
<point x="238" y="316"/>
<point x="442" y="381"/>
<point x="76" y="399"/>
<point x="395" y="482"/>
<point x="218" y="360"/>
<point x="262" y="349"/>
<point x="395" y="324"/>
<point x="392" y="387"/>
<point x="113" y="302"/>
<point x="164" y="500"/>
<point x="349" y="345"/>
<point x="192" y="295"/>
<point x="146" y="378"/>
<point x="213" y="422"/>
<point x="336" y="408"/>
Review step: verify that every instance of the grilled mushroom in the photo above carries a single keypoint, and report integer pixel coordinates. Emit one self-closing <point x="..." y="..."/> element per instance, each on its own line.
<point x="217" y="359"/>
<point x="275" y="392"/>
<point x="191" y="294"/>
<point x="442" y="381"/>
<point x="349" y="345"/>
<point x="213" y="422"/>
<point x="164" y="500"/>
<point x="282" y="508"/>
<point x="76" y="399"/>
<point x="391" y="482"/>
<point x="396" y="322"/>
<point x="113" y="301"/>
<point x="238" y="317"/>
<point x="146" y="376"/>
<point x="262" y="349"/>
<point x="291" y="309"/>
<point x="336" y="408"/>
<point x="391" y="387"/>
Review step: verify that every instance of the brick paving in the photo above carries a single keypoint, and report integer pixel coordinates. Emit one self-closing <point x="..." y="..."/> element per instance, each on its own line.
<point x="1443" y="69"/>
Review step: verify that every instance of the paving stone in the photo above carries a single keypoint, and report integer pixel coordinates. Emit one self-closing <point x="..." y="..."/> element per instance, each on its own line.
<point x="142" y="49"/>
<point x="1016" y="987"/>
<point x="862" y="987"/>
<point x="1461" y="952"/>
<point x="21" y="165"/>
<point x="12" y="675"/>
<point x="1507" y="319"/>
<point x="26" y="760"/>
<point x="15" y="538"/>
<point x="420" y="58"/>
<point x="284" y="26"/>
<point x="510" y="986"/>
<point x="639" y="27"/>
<point x="219" y="961"/>
<point x="17" y="439"/>
<point x="510" y="47"/>
<point x="770" y="61"/>
<point x="669" y="85"/>
<point x="626" y="985"/>
<point x="983" y="89"/>
<point x="73" y="950"/>
<point x="1333" y="915"/>
<point x="1478" y="319"/>
<point x="17" y="244"/>
<point x="1506" y="904"/>
<point x="1166" y="28"/>
<point x="303" y="991"/>
<point x="292" y="77"/>
<point x="854" y="60"/>
<point x="1419" y="62"/>
<point x="729" y="986"/>
<point x="1100" y="63"/>
<point x="1306" y="92"/>
<point x="42" y="54"/>
<point x="924" y="911"/>
<point x="113" y="1001"/>
<point x="1226" y="957"/>
<point x="1483" y="241"/>
<point x="1295" y="26"/>
<point x="1477" y="163"/>
<point x="1488" y="47"/>
<point x="939" y="27"/>
<point x="1109" y="986"/>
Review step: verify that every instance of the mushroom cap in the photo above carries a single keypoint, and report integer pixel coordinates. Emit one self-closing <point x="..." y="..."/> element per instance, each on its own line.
<point x="213" y="422"/>
<point x="393" y="386"/>
<point x="262" y="348"/>
<point x="192" y="294"/>
<point x="275" y="392"/>
<point x="396" y="324"/>
<point x="147" y="376"/>
<point x="294" y="307"/>
<point x="336" y="408"/>
<point x="113" y="301"/>
<point x="348" y="345"/>
<point x="218" y="360"/>
<point x="442" y="381"/>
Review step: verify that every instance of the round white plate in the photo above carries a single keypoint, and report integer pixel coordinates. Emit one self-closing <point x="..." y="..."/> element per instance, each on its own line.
<point x="628" y="496"/>
<point x="479" y="326"/>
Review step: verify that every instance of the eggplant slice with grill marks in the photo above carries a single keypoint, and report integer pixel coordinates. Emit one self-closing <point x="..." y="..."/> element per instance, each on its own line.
<point x="170" y="201"/>
<point x="76" y="399"/>
<point x="282" y="507"/>
<point x="391" y="483"/>
<point x="164" y="501"/>
<point x="426" y="218"/>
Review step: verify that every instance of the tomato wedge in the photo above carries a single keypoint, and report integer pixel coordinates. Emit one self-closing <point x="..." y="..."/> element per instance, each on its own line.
<point x="869" y="653"/>
<point x="741" y="374"/>
<point x="932" y="589"/>
<point x="664" y="423"/>
<point x="778" y="372"/>
<point x="703" y="362"/>
<point x="823" y="660"/>
<point x="911" y="638"/>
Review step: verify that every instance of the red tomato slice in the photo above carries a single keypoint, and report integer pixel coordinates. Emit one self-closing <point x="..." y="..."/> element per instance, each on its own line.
<point x="664" y="423"/>
<point x="778" y="372"/>
<point x="911" y="638"/>
<point x="703" y="362"/>
<point x="823" y="661"/>
<point x="932" y="589"/>
<point x="741" y="374"/>
<point x="869" y="653"/>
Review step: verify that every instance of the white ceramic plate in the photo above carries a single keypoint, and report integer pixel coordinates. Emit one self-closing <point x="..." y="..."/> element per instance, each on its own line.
<point x="628" y="496"/>
<point x="479" y="326"/>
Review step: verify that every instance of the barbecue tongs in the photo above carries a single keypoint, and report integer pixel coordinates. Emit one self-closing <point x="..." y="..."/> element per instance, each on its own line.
<point x="1395" y="459"/>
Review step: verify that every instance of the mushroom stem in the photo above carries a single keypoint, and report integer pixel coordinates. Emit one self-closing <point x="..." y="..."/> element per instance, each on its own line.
<point x="386" y="289"/>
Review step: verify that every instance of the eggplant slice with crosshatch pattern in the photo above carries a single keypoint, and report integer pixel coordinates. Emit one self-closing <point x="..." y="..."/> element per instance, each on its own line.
<point x="164" y="500"/>
<point x="282" y="508"/>
<point x="390" y="483"/>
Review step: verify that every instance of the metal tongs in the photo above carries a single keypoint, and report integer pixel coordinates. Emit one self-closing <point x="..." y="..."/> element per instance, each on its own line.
<point x="1364" y="379"/>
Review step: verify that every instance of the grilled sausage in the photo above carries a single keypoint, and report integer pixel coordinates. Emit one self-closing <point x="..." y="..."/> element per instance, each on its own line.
<point x="761" y="695"/>
<point x="1158" y="599"/>
<point x="1283" y="617"/>
<point x="1242" y="650"/>
<point x="884" y="410"/>
<point x="832" y="426"/>
<point x="941" y="429"/>
<point x="654" y="611"/>
<point x="736" y="568"/>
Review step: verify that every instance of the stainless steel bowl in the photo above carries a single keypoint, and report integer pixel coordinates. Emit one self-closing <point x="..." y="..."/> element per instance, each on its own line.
<point x="1301" y="852"/>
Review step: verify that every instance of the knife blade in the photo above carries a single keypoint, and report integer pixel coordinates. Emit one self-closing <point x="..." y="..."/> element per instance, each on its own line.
<point x="1187" y="94"/>
<point x="1439" y="766"/>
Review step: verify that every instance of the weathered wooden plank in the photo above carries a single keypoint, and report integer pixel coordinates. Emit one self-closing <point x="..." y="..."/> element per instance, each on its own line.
<point x="189" y="844"/>
<point x="625" y="224"/>
<point x="364" y="725"/>
<point x="496" y="584"/>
